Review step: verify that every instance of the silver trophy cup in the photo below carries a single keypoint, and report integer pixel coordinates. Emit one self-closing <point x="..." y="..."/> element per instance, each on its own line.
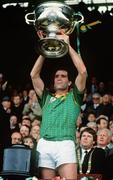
<point x="49" y="20"/>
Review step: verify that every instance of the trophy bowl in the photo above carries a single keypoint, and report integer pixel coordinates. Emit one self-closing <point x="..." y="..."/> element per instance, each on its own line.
<point x="49" y="20"/>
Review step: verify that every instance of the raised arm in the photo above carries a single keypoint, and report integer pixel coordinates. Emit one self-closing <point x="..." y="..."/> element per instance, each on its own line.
<point x="38" y="84"/>
<point x="80" y="80"/>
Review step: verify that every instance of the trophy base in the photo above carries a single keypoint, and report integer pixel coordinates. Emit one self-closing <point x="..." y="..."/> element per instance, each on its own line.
<point x="52" y="47"/>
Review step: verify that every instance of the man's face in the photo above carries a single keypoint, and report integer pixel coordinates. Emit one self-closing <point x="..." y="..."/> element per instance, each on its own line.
<point x="29" y="142"/>
<point x="6" y="104"/>
<point x="16" y="138"/>
<point x="26" y="122"/>
<point x="86" y="140"/>
<point x="91" y="118"/>
<point x="13" y="120"/>
<point x="61" y="81"/>
<point x="103" y="124"/>
<point x="106" y="99"/>
<point x="24" y="131"/>
<point x="103" y="138"/>
<point x="96" y="99"/>
<point x="17" y="100"/>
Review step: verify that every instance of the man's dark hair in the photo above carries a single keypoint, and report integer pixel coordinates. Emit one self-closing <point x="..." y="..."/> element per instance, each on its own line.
<point x="62" y="68"/>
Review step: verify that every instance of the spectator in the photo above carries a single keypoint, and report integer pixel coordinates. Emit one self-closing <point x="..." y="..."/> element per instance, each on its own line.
<point x="102" y="122"/>
<point x="16" y="138"/>
<point x="92" y="125"/>
<point x="6" y="104"/>
<point x="111" y="127"/>
<point x="91" y="117"/>
<point x="101" y="88"/>
<point x="94" y="105"/>
<point x="25" y="96"/>
<point x="32" y="108"/>
<point x="79" y="122"/>
<point x="24" y="130"/>
<point x="5" y="112"/>
<point x="26" y="121"/>
<point x="28" y="140"/>
<point x="17" y="106"/>
<point x="104" y="137"/>
<point x="5" y="88"/>
<point x="36" y="121"/>
<point x="106" y="106"/>
<point x="89" y="163"/>
<point x="14" y="126"/>
<point x="5" y="133"/>
<point x="35" y="133"/>
<point x="93" y="85"/>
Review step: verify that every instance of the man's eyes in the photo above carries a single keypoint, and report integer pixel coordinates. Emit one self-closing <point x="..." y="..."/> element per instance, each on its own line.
<point x="60" y="76"/>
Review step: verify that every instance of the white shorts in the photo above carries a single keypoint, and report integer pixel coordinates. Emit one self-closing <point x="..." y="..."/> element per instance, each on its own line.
<point x="52" y="154"/>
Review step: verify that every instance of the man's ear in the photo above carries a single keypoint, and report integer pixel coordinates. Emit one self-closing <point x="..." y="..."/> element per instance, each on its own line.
<point x="69" y="83"/>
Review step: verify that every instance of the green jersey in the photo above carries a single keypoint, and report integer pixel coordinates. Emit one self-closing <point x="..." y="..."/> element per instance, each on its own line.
<point x="59" y="115"/>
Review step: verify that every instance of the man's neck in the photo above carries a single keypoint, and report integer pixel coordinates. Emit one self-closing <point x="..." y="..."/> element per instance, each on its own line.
<point x="87" y="148"/>
<point x="101" y="146"/>
<point x="61" y="93"/>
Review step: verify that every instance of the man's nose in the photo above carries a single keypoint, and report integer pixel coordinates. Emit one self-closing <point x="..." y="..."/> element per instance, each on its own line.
<point x="59" y="78"/>
<point x="85" y="137"/>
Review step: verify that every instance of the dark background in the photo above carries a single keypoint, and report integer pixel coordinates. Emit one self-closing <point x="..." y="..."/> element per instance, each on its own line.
<point x="18" y="41"/>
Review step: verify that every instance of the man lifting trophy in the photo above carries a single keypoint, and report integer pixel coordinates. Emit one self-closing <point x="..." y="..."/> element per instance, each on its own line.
<point x="61" y="107"/>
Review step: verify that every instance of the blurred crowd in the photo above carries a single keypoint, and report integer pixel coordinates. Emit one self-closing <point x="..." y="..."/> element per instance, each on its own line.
<point x="20" y="118"/>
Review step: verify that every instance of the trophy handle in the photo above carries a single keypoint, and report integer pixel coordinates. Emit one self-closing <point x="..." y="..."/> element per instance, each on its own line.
<point x="30" y="18"/>
<point x="79" y="18"/>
